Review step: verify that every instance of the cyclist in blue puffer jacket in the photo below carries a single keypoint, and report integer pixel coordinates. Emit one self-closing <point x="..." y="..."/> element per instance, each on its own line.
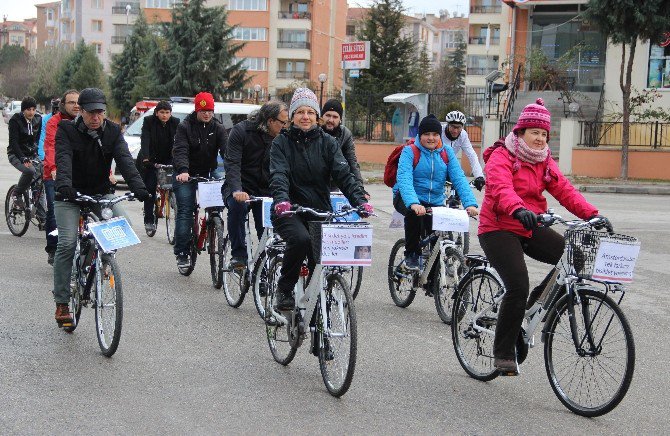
<point x="423" y="186"/>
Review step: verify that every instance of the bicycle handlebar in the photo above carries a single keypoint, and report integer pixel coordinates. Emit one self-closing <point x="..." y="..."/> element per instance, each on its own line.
<point x="99" y="199"/>
<point x="346" y="210"/>
<point x="205" y="179"/>
<point x="165" y="167"/>
<point x="550" y="218"/>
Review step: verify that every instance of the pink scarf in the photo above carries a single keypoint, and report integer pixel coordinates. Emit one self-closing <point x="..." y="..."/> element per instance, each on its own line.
<point x="518" y="147"/>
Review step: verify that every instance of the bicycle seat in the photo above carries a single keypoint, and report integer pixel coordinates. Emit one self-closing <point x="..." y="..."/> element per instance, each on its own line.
<point x="473" y="260"/>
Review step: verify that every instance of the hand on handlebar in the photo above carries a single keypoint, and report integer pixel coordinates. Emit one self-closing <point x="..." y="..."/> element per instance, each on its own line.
<point x="602" y="223"/>
<point x="418" y="209"/>
<point x="479" y="183"/>
<point x="183" y="177"/>
<point x="240" y="196"/>
<point x="367" y="210"/>
<point x="472" y="211"/>
<point x="526" y="217"/>
<point x="282" y="207"/>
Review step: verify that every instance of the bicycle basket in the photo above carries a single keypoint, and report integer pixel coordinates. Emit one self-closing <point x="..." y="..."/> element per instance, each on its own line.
<point x="347" y="244"/>
<point x="164" y="179"/>
<point x="583" y="247"/>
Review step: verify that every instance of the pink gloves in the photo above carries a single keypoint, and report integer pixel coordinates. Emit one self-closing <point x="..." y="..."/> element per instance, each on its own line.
<point x="368" y="210"/>
<point x="282" y="208"/>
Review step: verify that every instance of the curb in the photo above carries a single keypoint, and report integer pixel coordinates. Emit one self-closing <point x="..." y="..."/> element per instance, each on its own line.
<point x="625" y="189"/>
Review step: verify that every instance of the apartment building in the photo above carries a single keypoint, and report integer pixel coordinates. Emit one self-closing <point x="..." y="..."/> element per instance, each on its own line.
<point x="23" y="33"/>
<point x="451" y="32"/>
<point x="485" y="52"/>
<point x="48" y="24"/>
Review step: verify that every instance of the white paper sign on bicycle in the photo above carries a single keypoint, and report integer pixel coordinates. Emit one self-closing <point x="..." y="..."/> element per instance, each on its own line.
<point x="209" y="194"/>
<point x="615" y="260"/>
<point x="346" y="244"/>
<point x="450" y="220"/>
<point x="113" y="234"/>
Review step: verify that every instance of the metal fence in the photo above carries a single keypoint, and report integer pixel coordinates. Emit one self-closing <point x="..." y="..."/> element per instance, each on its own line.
<point x="601" y="133"/>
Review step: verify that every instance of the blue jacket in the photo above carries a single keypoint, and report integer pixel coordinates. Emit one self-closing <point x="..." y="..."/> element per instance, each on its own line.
<point x="425" y="183"/>
<point x="40" y="144"/>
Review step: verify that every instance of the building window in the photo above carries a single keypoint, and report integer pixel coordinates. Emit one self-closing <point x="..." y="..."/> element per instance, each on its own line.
<point x="16" y="40"/>
<point x="254" y="64"/>
<point x="97" y="4"/>
<point x="351" y="30"/>
<point x="96" y="25"/>
<point x="659" y="65"/>
<point x="248" y="5"/>
<point x="250" y="33"/>
<point x="479" y="65"/>
<point x="162" y="4"/>
<point x="98" y="47"/>
<point x="50" y="14"/>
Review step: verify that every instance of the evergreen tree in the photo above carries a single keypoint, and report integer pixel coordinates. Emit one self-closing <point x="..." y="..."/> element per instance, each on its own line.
<point x="457" y="60"/>
<point x="198" y="53"/>
<point x="128" y="66"/>
<point x="424" y="70"/>
<point x="45" y="84"/>
<point x="81" y="69"/>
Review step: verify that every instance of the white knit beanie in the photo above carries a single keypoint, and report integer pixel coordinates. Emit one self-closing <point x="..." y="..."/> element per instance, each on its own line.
<point x="303" y="97"/>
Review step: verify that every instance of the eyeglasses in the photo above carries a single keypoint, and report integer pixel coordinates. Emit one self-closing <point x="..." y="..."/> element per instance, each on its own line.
<point x="309" y="113"/>
<point x="282" y="122"/>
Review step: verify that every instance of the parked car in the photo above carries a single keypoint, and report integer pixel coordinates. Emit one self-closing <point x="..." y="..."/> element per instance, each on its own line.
<point x="11" y="108"/>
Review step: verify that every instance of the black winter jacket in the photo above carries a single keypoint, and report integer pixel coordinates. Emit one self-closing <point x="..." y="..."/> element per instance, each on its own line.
<point x="196" y="145"/>
<point x="23" y="135"/>
<point x="302" y="165"/>
<point x="84" y="162"/>
<point x="247" y="160"/>
<point x="158" y="139"/>
<point x="346" y="140"/>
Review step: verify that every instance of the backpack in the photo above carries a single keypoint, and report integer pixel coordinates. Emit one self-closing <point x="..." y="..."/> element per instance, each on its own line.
<point x="391" y="168"/>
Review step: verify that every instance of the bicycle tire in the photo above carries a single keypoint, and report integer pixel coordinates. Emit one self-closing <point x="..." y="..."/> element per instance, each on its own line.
<point x="234" y="280"/>
<point x="454" y="266"/>
<point x="337" y="360"/>
<point x="170" y="216"/>
<point x="260" y="283"/>
<point x="399" y="279"/>
<point x="354" y="279"/>
<point x="17" y="226"/>
<point x="75" y="293"/>
<point x="277" y="334"/>
<point x="108" y="303"/>
<point x="216" y="248"/>
<point x="474" y="350"/>
<point x="612" y="332"/>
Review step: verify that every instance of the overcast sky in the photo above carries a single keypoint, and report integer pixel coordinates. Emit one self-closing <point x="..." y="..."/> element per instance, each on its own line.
<point x="18" y="10"/>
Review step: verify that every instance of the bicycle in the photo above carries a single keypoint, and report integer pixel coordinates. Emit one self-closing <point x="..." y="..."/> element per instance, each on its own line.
<point x="35" y="205"/>
<point x="324" y="309"/>
<point x="439" y="246"/>
<point x="207" y="234"/>
<point x="589" y="350"/>
<point x="165" y="205"/>
<point x="93" y="267"/>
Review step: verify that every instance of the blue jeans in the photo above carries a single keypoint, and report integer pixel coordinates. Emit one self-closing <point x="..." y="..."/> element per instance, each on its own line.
<point x="237" y="213"/>
<point x="50" y="225"/>
<point x="185" y="195"/>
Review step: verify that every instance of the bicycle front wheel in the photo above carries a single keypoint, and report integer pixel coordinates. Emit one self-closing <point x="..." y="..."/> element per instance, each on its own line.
<point x="260" y="283"/>
<point x="18" y="218"/>
<point x="474" y="312"/>
<point x="353" y="276"/>
<point x="170" y="215"/>
<point x="216" y="246"/>
<point x="234" y="280"/>
<point x="76" y="292"/>
<point x="337" y="336"/>
<point x="401" y="280"/>
<point x="593" y="380"/>
<point x="108" y="304"/>
<point x="277" y="333"/>
<point x="445" y="282"/>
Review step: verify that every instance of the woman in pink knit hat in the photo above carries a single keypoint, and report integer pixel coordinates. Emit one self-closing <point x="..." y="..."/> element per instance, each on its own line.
<point x="519" y="168"/>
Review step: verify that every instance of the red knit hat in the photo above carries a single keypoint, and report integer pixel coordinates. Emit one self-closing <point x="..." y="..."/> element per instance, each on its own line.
<point x="204" y="102"/>
<point x="534" y="116"/>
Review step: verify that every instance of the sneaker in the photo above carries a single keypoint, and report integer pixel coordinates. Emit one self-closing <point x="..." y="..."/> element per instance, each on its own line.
<point x="150" y="227"/>
<point x="506" y="366"/>
<point x="285" y="301"/>
<point x="183" y="261"/>
<point x="237" y="263"/>
<point x="412" y="261"/>
<point x="62" y="316"/>
<point x="50" y="258"/>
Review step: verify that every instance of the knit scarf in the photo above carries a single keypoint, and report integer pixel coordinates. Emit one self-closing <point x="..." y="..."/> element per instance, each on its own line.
<point x="518" y="147"/>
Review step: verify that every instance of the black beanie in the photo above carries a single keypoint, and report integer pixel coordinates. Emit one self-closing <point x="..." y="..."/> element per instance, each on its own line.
<point x="332" y="105"/>
<point x="430" y="124"/>
<point x="27" y="103"/>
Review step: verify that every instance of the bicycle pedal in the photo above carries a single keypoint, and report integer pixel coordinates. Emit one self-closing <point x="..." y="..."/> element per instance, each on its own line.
<point x="508" y="373"/>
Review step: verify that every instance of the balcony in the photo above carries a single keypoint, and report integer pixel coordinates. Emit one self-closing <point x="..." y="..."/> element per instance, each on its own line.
<point x="286" y="15"/>
<point x="481" y="40"/>
<point x="485" y="9"/>
<point x="119" y="39"/>
<point x="293" y="44"/>
<point x="300" y="75"/>
<point x="65" y="14"/>
<point x="477" y="71"/>
<point x="121" y="10"/>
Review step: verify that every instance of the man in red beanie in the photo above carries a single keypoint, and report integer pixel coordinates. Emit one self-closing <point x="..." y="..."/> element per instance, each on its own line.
<point x="198" y="140"/>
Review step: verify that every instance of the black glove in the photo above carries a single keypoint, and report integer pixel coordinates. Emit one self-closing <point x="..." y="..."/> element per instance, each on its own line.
<point x="604" y="223"/>
<point x="479" y="183"/>
<point x="67" y="193"/>
<point x="142" y="195"/>
<point x="526" y="217"/>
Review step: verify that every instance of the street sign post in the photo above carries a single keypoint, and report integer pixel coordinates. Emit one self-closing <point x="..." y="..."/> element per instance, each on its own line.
<point x="355" y="57"/>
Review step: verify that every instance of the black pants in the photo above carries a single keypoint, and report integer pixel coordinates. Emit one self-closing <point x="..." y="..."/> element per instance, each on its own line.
<point x="293" y="230"/>
<point x="150" y="178"/>
<point x="505" y="250"/>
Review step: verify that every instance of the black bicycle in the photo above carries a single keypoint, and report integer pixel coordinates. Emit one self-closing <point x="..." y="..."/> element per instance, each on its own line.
<point x="33" y="209"/>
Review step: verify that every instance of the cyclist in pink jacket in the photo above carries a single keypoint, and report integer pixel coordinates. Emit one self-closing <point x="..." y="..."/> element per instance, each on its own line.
<point x="519" y="168"/>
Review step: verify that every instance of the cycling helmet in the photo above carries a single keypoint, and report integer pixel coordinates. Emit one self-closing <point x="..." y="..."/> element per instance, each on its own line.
<point x="455" y="117"/>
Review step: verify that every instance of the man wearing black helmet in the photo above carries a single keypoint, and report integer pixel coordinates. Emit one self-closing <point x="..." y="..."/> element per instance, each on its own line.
<point x="85" y="148"/>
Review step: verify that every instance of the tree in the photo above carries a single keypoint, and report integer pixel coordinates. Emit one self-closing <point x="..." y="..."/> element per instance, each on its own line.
<point x="15" y="71"/>
<point x="130" y="65"/>
<point x="81" y="69"/>
<point x="45" y="84"/>
<point x="625" y="22"/>
<point x="424" y="70"/>
<point x="198" y="53"/>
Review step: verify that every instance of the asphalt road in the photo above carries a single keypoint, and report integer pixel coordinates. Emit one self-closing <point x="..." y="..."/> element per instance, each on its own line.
<point x="188" y="363"/>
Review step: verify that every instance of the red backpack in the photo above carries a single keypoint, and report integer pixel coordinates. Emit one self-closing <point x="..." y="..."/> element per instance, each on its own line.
<point x="391" y="168"/>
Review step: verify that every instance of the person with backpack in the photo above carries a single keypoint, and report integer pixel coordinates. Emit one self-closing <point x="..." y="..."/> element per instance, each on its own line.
<point x="423" y="168"/>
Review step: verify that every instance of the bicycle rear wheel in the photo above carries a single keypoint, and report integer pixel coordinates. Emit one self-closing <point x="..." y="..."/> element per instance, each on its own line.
<point x="75" y="293"/>
<point x="474" y="349"/>
<point x="444" y="290"/>
<point x="108" y="303"/>
<point x="338" y="337"/>
<point x="170" y="215"/>
<point x="217" y="247"/>
<point x="401" y="281"/>
<point x="18" y="218"/>
<point x="277" y="333"/>
<point x="593" y="381"/>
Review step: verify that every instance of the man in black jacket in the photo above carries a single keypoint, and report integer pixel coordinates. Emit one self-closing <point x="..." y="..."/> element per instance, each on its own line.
<point x="158" y="132"/>
<point x="331" y="115"/>
<point x="85" y="148"/>
<point x="24" y="133"/>
<point x="247" y="165"/>
<point x="198" y="140"/>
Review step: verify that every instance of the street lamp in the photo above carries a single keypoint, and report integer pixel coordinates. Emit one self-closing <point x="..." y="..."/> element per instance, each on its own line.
<point x="128" y="8"/>
<point x="322" y="78"/>
<point x="257" y="90"/>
